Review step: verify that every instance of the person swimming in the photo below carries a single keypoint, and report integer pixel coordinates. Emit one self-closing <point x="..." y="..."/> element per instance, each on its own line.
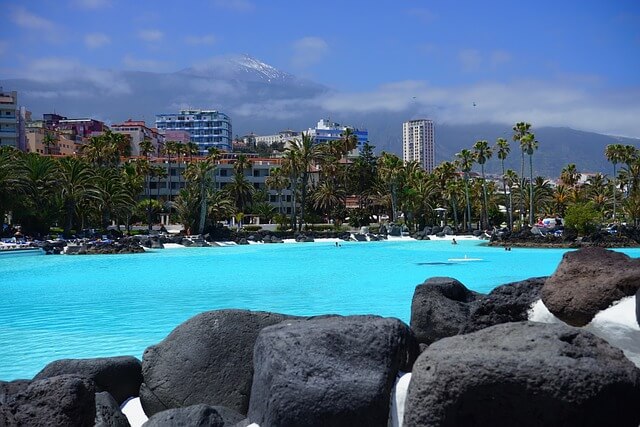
<point x="453" y="241"/>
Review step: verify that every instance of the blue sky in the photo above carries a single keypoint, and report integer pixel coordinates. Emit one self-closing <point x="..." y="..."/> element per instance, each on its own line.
<point x="580" y="59"/>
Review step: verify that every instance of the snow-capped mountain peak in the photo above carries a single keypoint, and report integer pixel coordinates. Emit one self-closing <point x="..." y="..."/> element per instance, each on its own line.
<point x="239" y="67"/>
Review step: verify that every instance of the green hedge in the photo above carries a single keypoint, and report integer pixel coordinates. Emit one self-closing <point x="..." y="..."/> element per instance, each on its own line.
<point x="252" y="228"/>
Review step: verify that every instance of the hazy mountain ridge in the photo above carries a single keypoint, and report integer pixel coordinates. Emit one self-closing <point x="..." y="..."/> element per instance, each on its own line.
<point x="264" y="100"/>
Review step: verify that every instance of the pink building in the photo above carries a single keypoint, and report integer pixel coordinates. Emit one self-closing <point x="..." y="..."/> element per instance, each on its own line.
<point x="177" y="135"/>
<point x="81" y="128"/>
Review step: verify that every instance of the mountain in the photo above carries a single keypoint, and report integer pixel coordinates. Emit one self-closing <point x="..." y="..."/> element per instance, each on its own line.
<point x="264" y="100"/>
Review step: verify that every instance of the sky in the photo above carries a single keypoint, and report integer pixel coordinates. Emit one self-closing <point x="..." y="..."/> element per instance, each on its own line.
<point x="573" y="63"/>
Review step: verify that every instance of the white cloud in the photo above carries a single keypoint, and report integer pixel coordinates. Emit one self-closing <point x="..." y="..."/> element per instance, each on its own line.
<point x="25" y="19"/>
<point x="67" y="72"/>
<point x="235" y="5"/>
<point x="538" y="102"/>
<point x="469" y="59"/>
<point x="37" y="27"/>
<point x="280" y="109"/>
<point x="96" y="40"/>
<point x="92" y="4"/>
<point x="499" y="57"/>
<point x="207" y="39"/>
<point x="308" y="51"/>
<point x="142" y="64"/>
<point x="150" y="35"/>
<point x="424" y="15"/>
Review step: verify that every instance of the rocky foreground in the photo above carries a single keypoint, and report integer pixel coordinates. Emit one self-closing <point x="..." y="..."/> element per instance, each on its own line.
<point x="467" y="359"/>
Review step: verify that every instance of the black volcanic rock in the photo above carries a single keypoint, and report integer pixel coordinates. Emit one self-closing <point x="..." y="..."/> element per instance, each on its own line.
<point x="523" y="374"/>
<point x="440" y="308"/>
<point x="108" y="413"/>
<point x="329" y="371"/>
<point x="121" y="376"/>
<point x="65" y="400"/>
<point x="506" y="303"/>
<point x="207" y="359"/>
<point x="195" y="415"/>
<point x="587" y="281"/>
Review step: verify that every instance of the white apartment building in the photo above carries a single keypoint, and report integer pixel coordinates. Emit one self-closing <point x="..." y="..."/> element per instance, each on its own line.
<point x="138" y="132"/>
<point x="9" y="130"/>
<point x="418" y="143"/>
<point x="281" y="137"/>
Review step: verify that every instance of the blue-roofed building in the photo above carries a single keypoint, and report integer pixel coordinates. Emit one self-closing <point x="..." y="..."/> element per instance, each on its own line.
<point x="208" y="128"/>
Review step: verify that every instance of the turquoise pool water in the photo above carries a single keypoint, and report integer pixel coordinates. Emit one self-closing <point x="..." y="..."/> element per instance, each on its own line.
<point x="54" y="307"/>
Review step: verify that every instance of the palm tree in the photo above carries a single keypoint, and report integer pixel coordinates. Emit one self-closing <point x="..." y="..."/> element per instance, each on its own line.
<point x="241" y="163"/>
<point x="278" y="181"/>
<point x="326" y="197"/>
<point x="240" y="190"/>
<point x="12" y="178"/>
<point x="74" y="186"/>
<point x="38" y="177"/>
<point x="214" y="155"/>
<point x="520" y="131"/>
<point x="199" y="175"/>
<point x="570" y="175"/>
<point x="146" y="148"/>
<point x="482" y="152"/>
<point x="101" y="151"/>
<point x="348" y="141"/>
<point x="50" y="139"/>
<point x="596" y="190"/>
<point x="529" y="144"/>
<point x="502" y="149"/>
<point x="169" y="149"/>
<point x="465" y="162"/>
<point x="192" y="149"/>
<point x="510" y="178"/>
<point x="132" y="182"/>
<point x="110" y="194"/>
<point x="448" y="183"/>
<point x="615" y="154"/>
<point x="290" y="166"/>
<point x="307" y="153"/>
<point x="390" y="171"/>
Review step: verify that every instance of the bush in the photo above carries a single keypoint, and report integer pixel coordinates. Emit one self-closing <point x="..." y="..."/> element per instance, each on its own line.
<point x="318" y="227"/>
<point x="252" y="228"/>
<point x="582" y="217"/>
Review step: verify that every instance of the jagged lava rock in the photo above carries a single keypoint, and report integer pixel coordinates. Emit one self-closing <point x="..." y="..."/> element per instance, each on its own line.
<point x="507" y="303"/>
<point x="440" y="308"/>
<point x="121" y="376"/>
<point x="587" y="281"/>
<point x="523" y="374"/>
<point x="207" y="359"/>
<point x="65" y="400"/>
<point x="336" y="371"/>
<point x="108" y="413"/>
<point x="195" y="415"/>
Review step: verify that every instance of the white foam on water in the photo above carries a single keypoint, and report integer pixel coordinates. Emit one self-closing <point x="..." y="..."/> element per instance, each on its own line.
<point x="173" y="246"/>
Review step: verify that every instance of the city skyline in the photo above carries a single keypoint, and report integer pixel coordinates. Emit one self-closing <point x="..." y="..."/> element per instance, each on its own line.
<point x="558" y="64"/>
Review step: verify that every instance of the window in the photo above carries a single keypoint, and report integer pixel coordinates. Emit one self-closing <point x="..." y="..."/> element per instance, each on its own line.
<point x="223" y="172"/>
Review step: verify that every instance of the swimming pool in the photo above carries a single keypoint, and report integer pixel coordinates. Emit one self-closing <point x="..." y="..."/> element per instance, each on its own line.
<point x="55" y="307"/>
